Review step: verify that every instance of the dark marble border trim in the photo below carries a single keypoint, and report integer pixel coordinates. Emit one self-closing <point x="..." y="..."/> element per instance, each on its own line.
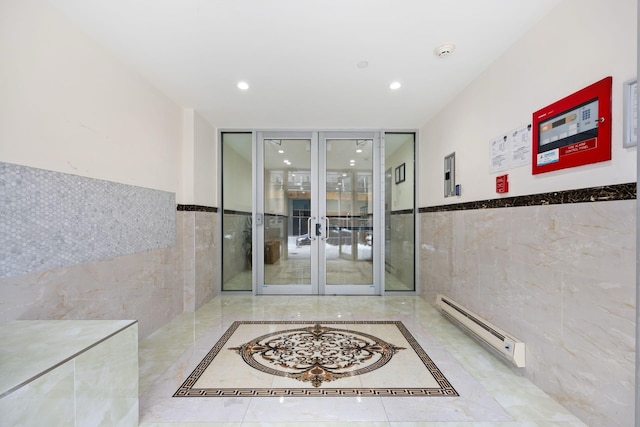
<point x="605" y="193"/>
<point x="196" y="208"/>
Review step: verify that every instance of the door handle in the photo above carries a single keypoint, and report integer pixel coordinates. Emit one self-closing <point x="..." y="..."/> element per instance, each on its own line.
<point x="311" y="237"/>
<point x="326" y="228"/>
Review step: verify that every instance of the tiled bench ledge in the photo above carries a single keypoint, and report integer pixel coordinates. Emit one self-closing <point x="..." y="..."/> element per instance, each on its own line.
<point x="69" y="373"/>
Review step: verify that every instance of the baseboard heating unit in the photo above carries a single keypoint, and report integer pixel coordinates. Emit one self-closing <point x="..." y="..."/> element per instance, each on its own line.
<point x="506" y="345"/>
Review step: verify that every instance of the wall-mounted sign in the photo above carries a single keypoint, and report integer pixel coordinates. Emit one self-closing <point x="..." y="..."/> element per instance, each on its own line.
<point x="573" y="131"/>
<point x="502" y="184"/>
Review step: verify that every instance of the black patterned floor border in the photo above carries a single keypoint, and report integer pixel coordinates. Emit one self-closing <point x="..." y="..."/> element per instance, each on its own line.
<point x="187" y="390"/>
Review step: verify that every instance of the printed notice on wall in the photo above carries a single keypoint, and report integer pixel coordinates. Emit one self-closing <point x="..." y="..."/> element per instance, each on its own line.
<point x="511" y="150"/>
<point x="499" y="154"/>
<point x="520" y="146"/>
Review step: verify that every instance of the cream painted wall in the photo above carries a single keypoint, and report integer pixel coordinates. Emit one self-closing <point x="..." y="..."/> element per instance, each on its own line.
<point x="579" y="43"/>
<point x="186" y="194"/>
<point x="68" y="105"/>
<point x="205" y="173"/>
<point x="198" y="171"/>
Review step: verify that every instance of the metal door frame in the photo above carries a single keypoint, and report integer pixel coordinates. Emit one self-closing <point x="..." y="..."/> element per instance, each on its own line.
<point x="318" y="210"/>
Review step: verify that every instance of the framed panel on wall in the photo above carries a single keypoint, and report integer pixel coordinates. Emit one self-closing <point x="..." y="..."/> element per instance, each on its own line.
<point x="573" y="131"/>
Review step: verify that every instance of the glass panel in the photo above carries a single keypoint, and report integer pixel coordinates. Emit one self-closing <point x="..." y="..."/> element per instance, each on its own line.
<point x="287" y="208"/>
<point x="399" y="212"/>
<point x="349" y="209"/>
<point x="237" y="207"/>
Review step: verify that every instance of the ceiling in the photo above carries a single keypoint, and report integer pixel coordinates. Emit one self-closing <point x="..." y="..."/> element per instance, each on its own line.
<point x="300" y="57"/>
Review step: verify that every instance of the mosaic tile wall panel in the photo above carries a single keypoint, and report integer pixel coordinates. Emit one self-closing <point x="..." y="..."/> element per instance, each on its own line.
<point x="50" y="219"/>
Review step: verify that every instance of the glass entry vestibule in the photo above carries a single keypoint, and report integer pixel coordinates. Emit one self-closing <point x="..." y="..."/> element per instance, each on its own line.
<point x="318" y="214"/>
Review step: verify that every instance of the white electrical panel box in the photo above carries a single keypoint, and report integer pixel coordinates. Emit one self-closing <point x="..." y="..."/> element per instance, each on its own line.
<point x="450" y="175"/>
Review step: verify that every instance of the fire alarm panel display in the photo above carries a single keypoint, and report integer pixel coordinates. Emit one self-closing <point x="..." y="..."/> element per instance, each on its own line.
<point x="574" y="131"/>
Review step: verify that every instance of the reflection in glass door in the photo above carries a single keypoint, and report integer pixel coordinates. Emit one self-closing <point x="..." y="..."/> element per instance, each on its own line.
<point x="316" y="222"/>
<point x="286" y="202"/>
<point x="348" y="209"/>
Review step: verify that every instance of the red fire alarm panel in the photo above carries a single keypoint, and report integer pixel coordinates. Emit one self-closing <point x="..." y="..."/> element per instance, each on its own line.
<point x="573" y="131"/>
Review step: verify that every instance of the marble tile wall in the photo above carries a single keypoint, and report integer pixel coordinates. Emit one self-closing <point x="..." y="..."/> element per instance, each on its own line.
<point x="186" y="221"/>
<point x="146" y="286"/>
<point x="559" y="277"/>
<point x="200" y="249"/>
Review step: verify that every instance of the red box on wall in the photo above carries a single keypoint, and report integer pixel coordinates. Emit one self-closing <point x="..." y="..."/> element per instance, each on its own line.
<point x="573" y="131"/>
<point x="502" y="184"/>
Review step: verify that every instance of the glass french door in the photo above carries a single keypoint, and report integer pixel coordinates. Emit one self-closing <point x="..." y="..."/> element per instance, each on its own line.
<point x="318" y="212"/>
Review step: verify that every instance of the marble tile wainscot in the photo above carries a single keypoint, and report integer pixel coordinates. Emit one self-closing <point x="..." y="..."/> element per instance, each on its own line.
<point x="200" y="254"/>
<point x="556" y="269"/>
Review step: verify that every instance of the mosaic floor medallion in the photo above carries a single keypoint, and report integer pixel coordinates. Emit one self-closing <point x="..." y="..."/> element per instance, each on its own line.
<point x="329" y="358"/>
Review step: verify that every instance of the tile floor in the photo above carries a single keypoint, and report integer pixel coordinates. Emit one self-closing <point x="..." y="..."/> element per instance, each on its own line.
<point x="491" y="392"/>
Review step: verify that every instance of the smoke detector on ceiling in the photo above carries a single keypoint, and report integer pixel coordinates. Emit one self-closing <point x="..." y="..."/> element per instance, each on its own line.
<point x="444" y="50"/>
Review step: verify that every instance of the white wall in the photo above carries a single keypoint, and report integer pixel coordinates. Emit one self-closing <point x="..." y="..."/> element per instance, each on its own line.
<point x="198" y="161"/>
<point x="579" y="43"/>
<point x="67" y="105"/>
<point x="205" y="173"/>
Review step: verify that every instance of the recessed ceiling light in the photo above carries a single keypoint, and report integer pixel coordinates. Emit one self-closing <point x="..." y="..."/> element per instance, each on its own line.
<point x="243" y="85"/>
<point x="281" y="151"/>
<point x="359" y="150"/>
<point x="395" y="85"/>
